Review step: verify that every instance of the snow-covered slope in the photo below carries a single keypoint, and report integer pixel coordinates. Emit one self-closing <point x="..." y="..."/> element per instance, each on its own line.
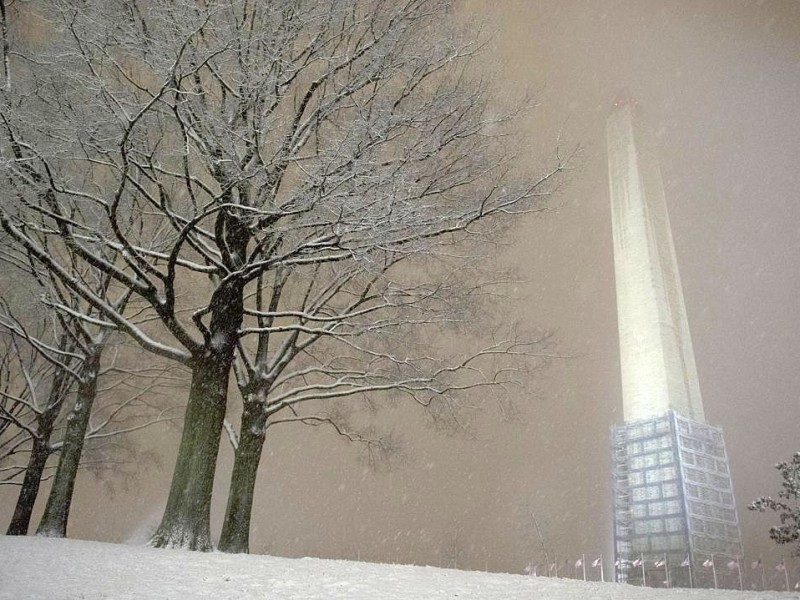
<point x="39" y="568"/>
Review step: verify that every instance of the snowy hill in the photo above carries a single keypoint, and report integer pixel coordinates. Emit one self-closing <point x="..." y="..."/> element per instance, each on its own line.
<point x="37" y="568"/>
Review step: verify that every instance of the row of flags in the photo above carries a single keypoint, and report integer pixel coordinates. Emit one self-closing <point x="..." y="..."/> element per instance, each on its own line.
<point x="552" y="568"/>
<point x="532" y="569"/>
<point x="709" y="563"/>
<point x="712" y="563"/>
<point x="598" y="562"/>
<point x="758" y="564"/>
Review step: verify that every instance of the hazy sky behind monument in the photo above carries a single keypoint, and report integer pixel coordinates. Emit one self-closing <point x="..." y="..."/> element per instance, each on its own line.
<point x="719" y="83"/>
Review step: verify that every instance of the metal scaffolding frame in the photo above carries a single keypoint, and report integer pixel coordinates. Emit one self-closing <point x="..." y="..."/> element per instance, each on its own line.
<point x="673" y="499"/>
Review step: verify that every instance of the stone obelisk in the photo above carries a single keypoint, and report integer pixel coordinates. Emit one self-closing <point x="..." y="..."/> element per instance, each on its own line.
<point x="673" y="498"/>
<point x="657" y="360"/>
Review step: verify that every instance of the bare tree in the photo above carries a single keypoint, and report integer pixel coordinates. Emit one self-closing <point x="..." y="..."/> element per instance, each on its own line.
<point x="55" y="351"/>
<point x="40" y="379"/>
<point x="345" y="336"/>
<point x="70" y="342"/>
<point x="91" y="346"/>
<point x="109" y="402"/>
<point x="232" y="148"/>
<point x="32" y="407"/>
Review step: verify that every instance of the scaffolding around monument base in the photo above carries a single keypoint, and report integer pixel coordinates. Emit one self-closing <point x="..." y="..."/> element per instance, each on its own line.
<point x="673" y="500"/>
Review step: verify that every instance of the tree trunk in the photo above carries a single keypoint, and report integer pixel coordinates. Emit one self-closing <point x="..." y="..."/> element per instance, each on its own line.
<point x="40" y="452"/>
<point x="21" y="520"/>
<point x="235" y="536"/>
<point x="186" y="520"/>
<point x="56" y="513"/>
<point x="187" y="516"/>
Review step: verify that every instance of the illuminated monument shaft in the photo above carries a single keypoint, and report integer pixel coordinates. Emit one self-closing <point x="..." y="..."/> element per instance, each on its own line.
<point x="658" y="370"/>
<point x="673" y="497"/>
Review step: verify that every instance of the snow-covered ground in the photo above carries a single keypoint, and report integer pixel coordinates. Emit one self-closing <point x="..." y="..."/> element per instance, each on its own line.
<point x="41" y="568"/>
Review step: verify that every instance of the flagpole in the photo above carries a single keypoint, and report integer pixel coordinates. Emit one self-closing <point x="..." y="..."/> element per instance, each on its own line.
<point x="556" y="566"/>
<point x="583" y="565"/>
<point x="785" y="573"/>
<point x="763" y="576"/>
<point x="644" y="576"/>
<point x="691" y="580"/>
<point x="739" y="566"/>
<point x="602" y="569"/>
<point x="714" y="571"/>
<point x="666" y="568"/>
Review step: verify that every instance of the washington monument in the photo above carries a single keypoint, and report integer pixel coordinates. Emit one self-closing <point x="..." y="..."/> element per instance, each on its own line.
<point x="673" y="498"/>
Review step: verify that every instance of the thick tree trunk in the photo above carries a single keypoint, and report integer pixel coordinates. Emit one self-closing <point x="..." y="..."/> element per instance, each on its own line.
<point x="187" y="516"/>
<point x="21" y="520"/>
<point x="56" y="513"/>
<point x="235" y="536"/>
<point x="186" y="520"/>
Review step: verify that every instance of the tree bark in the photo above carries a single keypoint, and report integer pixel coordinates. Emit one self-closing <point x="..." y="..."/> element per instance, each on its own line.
<point x="187" y="517"/>
<point x="56" y="513"/>
<point x="235" y="536"/>
<point x="186" y="520"/>
<point x="23" y="510"/>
